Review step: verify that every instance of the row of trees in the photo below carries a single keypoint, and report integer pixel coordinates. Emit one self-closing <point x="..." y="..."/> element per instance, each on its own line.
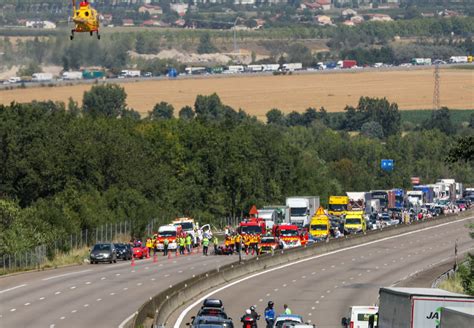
<point x="70" y="167"/>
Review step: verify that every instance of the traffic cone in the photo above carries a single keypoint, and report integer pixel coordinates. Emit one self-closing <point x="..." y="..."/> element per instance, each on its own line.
<point x="155" y="258"/>
<point x="148" y="254"/>
<point x="133" y="261"/>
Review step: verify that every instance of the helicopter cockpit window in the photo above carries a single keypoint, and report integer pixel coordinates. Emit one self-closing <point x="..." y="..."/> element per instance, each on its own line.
<point x="86" y="13"/>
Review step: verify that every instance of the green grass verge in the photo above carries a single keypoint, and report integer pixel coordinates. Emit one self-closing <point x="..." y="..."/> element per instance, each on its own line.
<point x="452" y="284"/>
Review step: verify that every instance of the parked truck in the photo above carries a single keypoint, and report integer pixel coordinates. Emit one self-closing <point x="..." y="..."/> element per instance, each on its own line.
<point x="347" y="63"/>
<point x="399" y="197"/>
<point x="421" y="61"/>
<point x="301" y="209"/>
<point x="92" y="74"/>
<point x="129" y="73"/>
<point x="382" y="196"/>
<point x="401" y="307"/>
<point x="72" y="76"/>
<point x="291" y="67"/>
<point x="458" y="59"/>
<point x="338" y="205"/>
<point x="42" y="77"/>
<point x="428" y="194"/>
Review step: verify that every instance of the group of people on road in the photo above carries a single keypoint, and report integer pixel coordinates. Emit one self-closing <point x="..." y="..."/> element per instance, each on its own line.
<point x="250" y="318"/>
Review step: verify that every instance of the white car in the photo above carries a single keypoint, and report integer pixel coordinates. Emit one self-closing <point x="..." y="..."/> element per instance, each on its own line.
<point x="285" y="319"/>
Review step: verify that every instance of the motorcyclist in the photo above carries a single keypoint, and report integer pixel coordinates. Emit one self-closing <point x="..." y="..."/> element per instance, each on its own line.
<point x="270" y="315"/>
<point x="254" y="313"/>
<point x="248" y="320"/>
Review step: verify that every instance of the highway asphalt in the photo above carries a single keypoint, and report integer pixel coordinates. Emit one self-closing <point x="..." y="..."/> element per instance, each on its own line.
<point x="100" y="295"/>
<point x="322" y="288"/>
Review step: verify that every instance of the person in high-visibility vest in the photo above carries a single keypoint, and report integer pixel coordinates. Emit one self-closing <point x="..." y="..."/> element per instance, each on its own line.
<point x="205" y="245"/>
<point x="166" y="242"/>
<point x="188" y="243"/>
<point x="182" y="245"/>
<point x="215" y="241"/>
<point x="149" y="245"/>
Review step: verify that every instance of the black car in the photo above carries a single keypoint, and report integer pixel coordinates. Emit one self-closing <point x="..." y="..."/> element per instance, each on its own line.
<point x="103" y="252"/>
<point x="124" y="251"/>
<point x="210" y="322"/>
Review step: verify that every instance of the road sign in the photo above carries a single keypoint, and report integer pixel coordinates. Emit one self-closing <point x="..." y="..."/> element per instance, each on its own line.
<point x="387" y="164"/>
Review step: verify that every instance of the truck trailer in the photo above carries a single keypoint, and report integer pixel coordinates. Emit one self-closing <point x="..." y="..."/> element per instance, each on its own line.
<point x="301" y="209"/>
<point x="401" y="307"/>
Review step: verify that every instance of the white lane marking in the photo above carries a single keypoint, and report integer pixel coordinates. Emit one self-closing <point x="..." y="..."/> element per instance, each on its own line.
<point x="42" y="298"/>
<point x="202" y="298"/>
<point x="57" y="293"/>
<point x="62" y="318"/>
<point x="88" y="282"/>
<point x="117" y="274"/>
<point x="26" y="304"/>
<point x="268" y="294"/>
<point x="147" y="268"/>
<point x="167" y="275"/>
<point x="124" y="322"/>
<point x="9" y="289"/>
<point x="125" y="288"/>
<point x="72" y="287"/>
<point x="99" y="299"/>
<point x="180" y="271"/>
<point x="153" y="279"/>
<point x="12" y="310"/>
<point x="139" y="284"/>
<point x="112" y="294"/>
<point x="260" y="300"/>
<point x="51" y="326"/>
<point x="103" y="278"/>
<point x="73" y="311"/>
<point x="66" y="274"/>
<point x="86" y="305"/>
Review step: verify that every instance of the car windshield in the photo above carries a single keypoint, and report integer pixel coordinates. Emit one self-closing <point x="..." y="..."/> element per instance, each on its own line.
<point x="353" y="221"/>
<point x="120" y="246"/>
<point x="319" y="227"/>
<point x="288" y="233"/>
<point x="279" y="324"/>
<point x="102" y="247"/>
<point x="386" y="218"/>
<point x="251" y="229"/>
<point x="337" y="207"/>
<point x="298" y="211"/>
<point x="167" y="233"/>
<point x="268" y="240"/>
<point x="186" y="226"/>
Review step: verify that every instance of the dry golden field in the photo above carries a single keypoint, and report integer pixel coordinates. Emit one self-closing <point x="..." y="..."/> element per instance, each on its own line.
<point x="411" y="89"/>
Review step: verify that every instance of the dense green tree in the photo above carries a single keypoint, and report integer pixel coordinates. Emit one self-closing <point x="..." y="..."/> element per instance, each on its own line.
<point x="440" y="119"/>
<point x="462" y="151"/>
<point x="205" y="44"/>
<point x="275" y="116"/>
<point x="106" y="100"/>
<point x="186" y="113"/>
<point x="372" y="129"/>
<point x="162" y="110"/>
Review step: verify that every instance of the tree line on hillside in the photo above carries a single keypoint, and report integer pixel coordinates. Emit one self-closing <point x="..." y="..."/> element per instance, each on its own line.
<point x="68" y="167"/>
<point x="368" y="43"/>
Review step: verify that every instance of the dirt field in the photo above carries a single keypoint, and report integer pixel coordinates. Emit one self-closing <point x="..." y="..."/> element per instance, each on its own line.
<point x="411" y="89"/>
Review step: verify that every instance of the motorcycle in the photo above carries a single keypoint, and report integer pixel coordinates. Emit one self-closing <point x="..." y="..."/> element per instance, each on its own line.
<point x="248" y="322"/>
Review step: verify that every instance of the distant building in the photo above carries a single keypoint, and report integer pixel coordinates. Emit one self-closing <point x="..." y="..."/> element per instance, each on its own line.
<point x="323" y="20"/>
<point x="379" y="18"/>
<point x="325" y="4"/>
<point x="357" y="19"/>
<point x="128" y="22"/>
<point x="152" y="10"/>
<point x="348" y="12"/>
<point x="180" y="8"/>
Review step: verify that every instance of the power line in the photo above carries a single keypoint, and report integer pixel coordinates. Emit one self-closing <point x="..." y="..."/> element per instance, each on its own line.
<point x="436" y="101"/>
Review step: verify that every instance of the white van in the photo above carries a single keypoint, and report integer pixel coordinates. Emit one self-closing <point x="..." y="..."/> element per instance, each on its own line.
<point x="359" y="317"/>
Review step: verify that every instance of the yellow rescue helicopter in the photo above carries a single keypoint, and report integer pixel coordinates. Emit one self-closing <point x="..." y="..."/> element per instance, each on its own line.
<point x="85" y="18"/>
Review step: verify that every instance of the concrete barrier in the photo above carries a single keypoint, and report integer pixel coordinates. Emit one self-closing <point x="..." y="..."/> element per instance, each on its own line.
<point x="160" y="307"/>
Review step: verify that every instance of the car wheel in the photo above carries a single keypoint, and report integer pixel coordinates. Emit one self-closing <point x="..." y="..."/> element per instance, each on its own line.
<point x="115" y="261"/>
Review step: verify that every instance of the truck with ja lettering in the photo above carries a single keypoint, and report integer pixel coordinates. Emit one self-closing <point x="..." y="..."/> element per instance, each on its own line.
<point x="401" y="307"/>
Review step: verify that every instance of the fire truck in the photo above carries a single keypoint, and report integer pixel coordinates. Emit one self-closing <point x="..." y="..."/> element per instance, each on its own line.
<point x="188" y="226"/>
<point x="253" y="226"/>
<point x="290" y="235"/>
<point x="171" y="232"/>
